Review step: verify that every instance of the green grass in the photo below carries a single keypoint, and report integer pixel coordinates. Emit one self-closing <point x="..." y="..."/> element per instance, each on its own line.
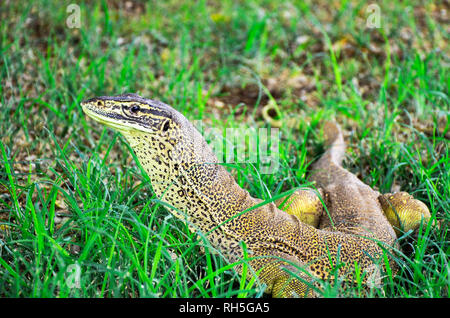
<point x="71" y="193"/>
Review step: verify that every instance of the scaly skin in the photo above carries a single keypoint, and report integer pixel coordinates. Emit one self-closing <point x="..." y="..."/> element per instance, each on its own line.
<point x="287" y="254"/>
<point x="346" y="195"/>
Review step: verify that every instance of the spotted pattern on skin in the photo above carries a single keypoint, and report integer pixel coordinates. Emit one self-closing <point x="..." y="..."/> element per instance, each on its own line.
<point x="185" y="173"/>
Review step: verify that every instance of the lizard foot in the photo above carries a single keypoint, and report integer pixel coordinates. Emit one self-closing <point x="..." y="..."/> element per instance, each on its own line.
<point x="305" y="204"/>
<point x="403" y="211"/>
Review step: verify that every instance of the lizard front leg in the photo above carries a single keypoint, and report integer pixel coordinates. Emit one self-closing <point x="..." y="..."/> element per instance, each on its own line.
<point x="305" y="204"/>
<point x="283" y="279"/>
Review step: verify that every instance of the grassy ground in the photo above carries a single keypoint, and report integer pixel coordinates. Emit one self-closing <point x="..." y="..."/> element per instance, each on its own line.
<point x="72" y="199"/>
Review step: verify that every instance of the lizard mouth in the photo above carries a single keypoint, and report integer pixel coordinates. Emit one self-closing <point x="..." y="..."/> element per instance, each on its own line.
<point x="105" y="118"/>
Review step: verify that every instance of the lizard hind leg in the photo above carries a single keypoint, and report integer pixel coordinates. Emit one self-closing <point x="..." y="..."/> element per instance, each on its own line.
<point x="305" y="204"/>
<point x="403" y="211"/>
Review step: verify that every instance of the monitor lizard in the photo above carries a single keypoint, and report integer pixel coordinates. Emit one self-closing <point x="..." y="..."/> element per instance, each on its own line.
<point x="287" y="255"/>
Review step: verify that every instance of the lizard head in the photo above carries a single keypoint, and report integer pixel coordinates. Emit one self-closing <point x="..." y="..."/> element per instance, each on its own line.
<point x="152" y="128"/>
<point x="130" y="114"/>
<point x="167" y="145"/>
<point x="403" y="211"/>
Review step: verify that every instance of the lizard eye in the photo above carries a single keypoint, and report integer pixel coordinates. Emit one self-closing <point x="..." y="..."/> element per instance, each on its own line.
<point x="166" y="126"/>
<point x="99" y="103"/>
<point x="132" y="110"/>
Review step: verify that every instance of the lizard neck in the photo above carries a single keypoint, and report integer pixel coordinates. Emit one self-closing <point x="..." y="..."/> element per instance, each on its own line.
<point x="186" y="174"/>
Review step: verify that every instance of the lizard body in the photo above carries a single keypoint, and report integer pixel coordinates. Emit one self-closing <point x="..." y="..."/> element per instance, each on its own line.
<point x="287" y="254"/>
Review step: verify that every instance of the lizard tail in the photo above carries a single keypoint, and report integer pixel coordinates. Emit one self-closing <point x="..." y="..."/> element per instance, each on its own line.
<point x="328" y="169"/>
<point x="334" y="139"/>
